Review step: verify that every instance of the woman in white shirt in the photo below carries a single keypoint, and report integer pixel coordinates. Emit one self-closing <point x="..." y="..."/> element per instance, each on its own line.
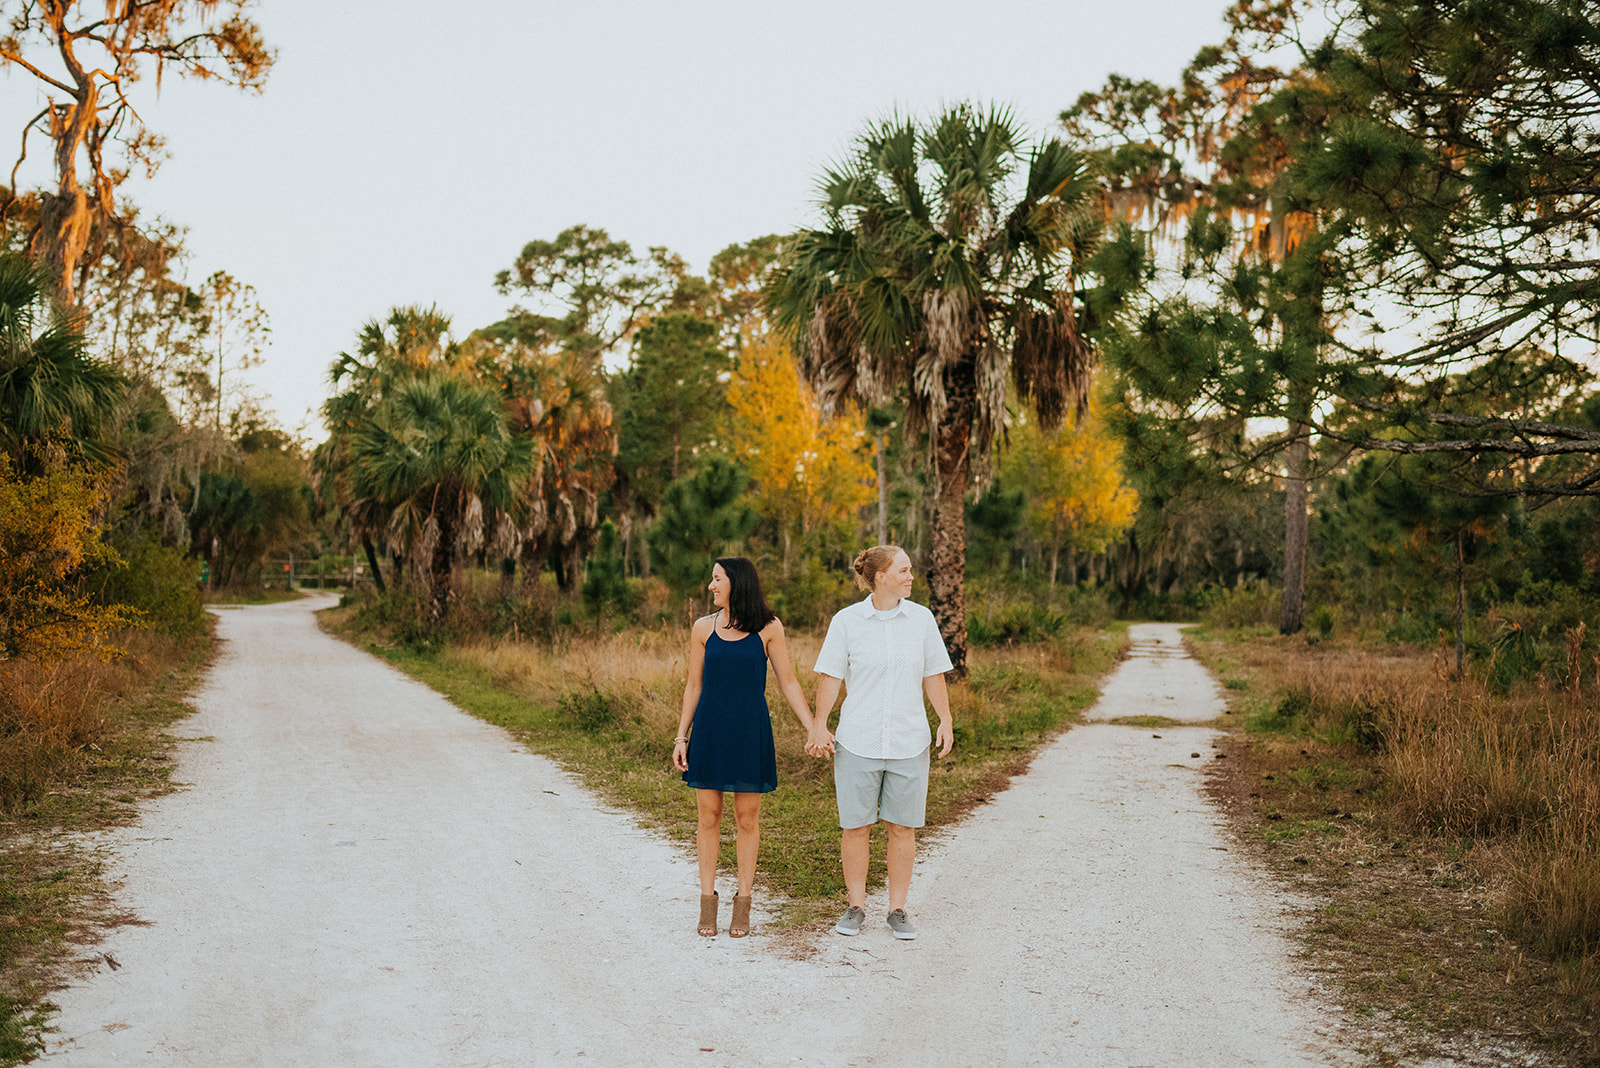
<point x="888" y="652"/>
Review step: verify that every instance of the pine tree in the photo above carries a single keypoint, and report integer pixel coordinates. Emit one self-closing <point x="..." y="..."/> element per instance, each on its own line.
<point x="605" y="581"/>
<point x="703" y="516"/>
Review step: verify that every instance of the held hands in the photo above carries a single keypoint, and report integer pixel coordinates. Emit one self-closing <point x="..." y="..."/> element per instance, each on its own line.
<point x="945" y="737"/>
<point x="819" y="743"/>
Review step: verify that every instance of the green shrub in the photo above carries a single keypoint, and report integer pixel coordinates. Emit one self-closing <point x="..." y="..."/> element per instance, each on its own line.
<point x="1516" y="655"/>
<point x="593" y="711"/>
<point x="161" y="582"/>
<point x="1259" y="604"/>
<point x="812" y="594"/>
<point x="1413" y="626"/>
<point x="1323" y="621"/>
<point x="1339" y="718"/>
<point x="1015" y="625"/>
<point x="480" y="609"/>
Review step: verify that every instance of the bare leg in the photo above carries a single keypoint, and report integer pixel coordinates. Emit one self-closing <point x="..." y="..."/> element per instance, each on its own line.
<point x="747" y="817"/>
<point x="708" y="837"/>
<point x="902" y="852"/>
<point x="855" y="846"/>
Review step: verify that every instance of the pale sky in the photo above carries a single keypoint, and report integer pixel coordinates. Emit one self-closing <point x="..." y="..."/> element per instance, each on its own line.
<point x="404" y="151"/>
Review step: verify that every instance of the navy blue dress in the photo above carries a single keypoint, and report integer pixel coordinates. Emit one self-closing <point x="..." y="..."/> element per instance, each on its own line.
<point x="731" y="746"/>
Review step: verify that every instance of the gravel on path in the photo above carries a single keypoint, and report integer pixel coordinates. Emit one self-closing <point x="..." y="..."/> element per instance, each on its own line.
<point x="357" y="874"/>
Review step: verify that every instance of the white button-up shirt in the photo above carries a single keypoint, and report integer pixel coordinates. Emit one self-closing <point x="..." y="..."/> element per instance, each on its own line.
<point x="883" y="658"/>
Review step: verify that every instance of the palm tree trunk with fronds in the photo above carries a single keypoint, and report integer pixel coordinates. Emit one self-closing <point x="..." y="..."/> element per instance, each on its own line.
<point x="441" y="568"/>
<point x="948" y="559"/>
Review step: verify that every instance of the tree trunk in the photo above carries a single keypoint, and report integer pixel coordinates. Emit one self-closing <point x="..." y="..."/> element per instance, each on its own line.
<point x="948" y="554"/>
<point x="564" y="562"/>
<point x="64" y="216"/>
<point x="1296" y="530"/>
<point x="1072" y="566"/>
<point x="1461" y="602"/>
<point x="441" y="569"/>
<point x="372" y="562"/>
<point x="532" y="556"/>
<point x="883" y="494"/>
<point x="625" y="534"/>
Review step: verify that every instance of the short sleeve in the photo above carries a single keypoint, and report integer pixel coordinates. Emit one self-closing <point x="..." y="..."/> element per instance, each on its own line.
<point x="935" y="657"/>
<point x="834" y="659"/>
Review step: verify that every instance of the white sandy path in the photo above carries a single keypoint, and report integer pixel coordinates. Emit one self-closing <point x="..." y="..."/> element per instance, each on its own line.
<point x="360" y="875"/>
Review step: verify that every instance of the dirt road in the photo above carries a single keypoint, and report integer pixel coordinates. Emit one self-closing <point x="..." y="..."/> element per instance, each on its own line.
<point x="358" y="874"/>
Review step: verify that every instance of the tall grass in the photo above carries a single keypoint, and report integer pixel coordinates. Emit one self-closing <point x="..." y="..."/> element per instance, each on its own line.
<point x="80" y="741"/>
<point x="55" y="717"/>
<point x="1468" y="758"/>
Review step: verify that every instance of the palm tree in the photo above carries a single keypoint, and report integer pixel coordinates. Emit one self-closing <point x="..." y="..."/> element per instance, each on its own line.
<point x="438" y="452"/>
<point x="51" y="388"/>
<point x="947" y="260"/>
<point x="556" y="398"/>
<point x="412" y="341"/>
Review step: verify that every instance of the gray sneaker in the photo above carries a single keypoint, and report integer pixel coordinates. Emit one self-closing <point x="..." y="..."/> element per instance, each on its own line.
<point x="850" y="923"/>
<point x="900" y="924"/>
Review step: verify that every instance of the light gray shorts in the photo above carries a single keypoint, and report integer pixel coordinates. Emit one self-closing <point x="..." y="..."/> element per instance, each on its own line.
<point x="868" y="790"/>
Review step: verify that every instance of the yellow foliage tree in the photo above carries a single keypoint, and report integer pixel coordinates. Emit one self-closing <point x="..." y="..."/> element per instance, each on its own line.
<point x="49" y="534"/>
<point x="1073" y="479"/>
<point x="811" y="474"/>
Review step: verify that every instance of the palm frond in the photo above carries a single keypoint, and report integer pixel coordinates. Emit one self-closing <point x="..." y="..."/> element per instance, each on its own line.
<point x="1051" y="362"/>
<point x="947" y="260"/>
<point x="51" y="387"/>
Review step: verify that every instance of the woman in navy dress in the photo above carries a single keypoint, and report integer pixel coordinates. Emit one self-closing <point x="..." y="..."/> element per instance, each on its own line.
<point x="725" y="698"/>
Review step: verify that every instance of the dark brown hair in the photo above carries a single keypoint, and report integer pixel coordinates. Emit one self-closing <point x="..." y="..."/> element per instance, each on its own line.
<point x="747" y="605"/>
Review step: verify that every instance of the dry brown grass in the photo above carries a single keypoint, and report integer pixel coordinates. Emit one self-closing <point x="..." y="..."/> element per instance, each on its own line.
<point x="80" y="743"/>
<point x="54" y="717"/>
<point x="644" y="667"/>
<point x="1452" y="830"/>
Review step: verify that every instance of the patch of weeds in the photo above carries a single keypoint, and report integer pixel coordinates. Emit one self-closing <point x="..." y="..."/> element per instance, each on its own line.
<point x="233" y="598"/>
<point x="1287" y="716"/>
<point x="1143" y="721"/>
<point x="1330" y="772"/>
<point x="593" y="710"/>
<point x="1280" y="832"/>
<point x="22" y="1028"/>
<point x="1236" y="684"/>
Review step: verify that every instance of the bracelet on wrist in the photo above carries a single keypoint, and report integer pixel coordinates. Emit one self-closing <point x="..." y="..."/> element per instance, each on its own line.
<point x="680" y="738"/>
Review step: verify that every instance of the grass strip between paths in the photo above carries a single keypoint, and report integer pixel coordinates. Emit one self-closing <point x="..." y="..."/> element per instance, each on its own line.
<point x="606" y="707"/>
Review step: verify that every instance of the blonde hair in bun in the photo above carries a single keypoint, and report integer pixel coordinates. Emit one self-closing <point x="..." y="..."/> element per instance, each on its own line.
<point x="870" y="562"/>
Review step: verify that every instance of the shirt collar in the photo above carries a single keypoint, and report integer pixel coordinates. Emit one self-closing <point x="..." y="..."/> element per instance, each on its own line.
<point x="868" y="611"/>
